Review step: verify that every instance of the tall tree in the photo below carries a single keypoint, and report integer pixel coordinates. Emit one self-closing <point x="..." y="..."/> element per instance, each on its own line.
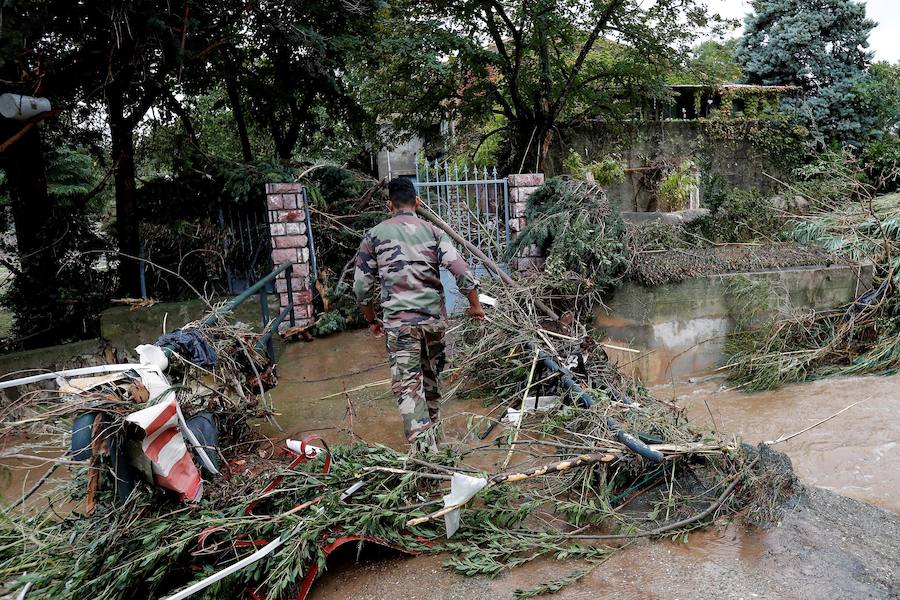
<point x="145" y="45"/>
<point x="286" y="70"/>
<point x="24" y="69"/>
<point x="534" y="63"/>
<point x="820" y="46"/>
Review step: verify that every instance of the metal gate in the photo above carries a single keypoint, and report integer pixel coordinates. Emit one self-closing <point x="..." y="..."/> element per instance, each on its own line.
<point x="247" y="247"/>
<point x="473" y="200"/>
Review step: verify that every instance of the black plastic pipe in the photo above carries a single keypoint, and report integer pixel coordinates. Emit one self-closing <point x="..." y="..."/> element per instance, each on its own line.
<point x="630" y="442"/>
<point x="625" y="438"/>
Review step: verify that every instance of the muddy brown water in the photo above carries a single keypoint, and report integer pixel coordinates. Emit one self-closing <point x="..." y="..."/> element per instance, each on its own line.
<point x="854" y="454"/>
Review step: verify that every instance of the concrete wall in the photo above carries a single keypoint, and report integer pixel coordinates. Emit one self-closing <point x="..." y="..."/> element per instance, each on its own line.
<point x="51" y="357"/>
<point x="123" y="328"/>
<point x="680" y="328"/>
<point x="399" y="160"/>
<point x="640" y="145"/>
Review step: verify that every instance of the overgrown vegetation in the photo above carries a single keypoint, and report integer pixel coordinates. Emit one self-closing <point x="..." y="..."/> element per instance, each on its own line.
<point x="604" y="172"/>
<point x="676" y="186"/>
<point x="861" y="337"/>
<point x="580" y="234"/>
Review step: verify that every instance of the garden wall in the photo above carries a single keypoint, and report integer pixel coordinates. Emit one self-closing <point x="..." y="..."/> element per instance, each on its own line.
<point x="738" y="152"/>
<point x="679" y="329"/>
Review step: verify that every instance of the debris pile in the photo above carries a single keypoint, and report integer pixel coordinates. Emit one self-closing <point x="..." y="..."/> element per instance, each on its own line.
<point x="579" y="232"/>
<point x="570" y="459"/>
<point x="657" y="267"/>
<point x="862" y="337"/>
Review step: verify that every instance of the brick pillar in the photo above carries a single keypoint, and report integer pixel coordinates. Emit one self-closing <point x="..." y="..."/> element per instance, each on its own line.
<point x="520" y="188"/>
<point x="290" y="243"/>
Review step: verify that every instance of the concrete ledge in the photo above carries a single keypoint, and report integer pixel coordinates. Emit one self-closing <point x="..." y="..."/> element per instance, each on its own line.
<point x="678" y="217"/>
<point x="51" y="357"/>
<point x="124" y="328"/>
<point x="681" y="328"/>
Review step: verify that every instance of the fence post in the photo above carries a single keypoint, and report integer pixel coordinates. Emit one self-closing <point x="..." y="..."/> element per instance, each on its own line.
<point x="286" y="204"/>
<point x="521" y="187"/>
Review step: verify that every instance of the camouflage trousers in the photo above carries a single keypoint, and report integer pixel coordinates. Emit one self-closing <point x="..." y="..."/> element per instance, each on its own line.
<point x="416" y="354"/>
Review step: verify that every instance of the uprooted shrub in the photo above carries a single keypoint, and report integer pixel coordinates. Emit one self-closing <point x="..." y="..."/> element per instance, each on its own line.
<point x="579" y="232"/>
<point x="742" y="216"/>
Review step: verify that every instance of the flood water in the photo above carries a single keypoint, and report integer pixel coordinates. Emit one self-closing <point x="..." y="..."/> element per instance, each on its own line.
<point x="854" y="454"/>
<point x="337" y="388"/>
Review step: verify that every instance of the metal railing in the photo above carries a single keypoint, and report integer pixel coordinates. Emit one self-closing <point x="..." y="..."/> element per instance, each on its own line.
<point x="473" y="200"/>
<point x="261" y="288"/>
<point x="247" y="246"/>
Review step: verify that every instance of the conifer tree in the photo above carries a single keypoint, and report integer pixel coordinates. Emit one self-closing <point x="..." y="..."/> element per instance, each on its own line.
<point x="820" y="46"/>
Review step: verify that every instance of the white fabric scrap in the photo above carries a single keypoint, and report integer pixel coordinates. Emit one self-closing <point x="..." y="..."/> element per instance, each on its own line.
<point x="152" y="355"/>
<point x="487" y="300"/>
<point x="462" y="488"/>
<point x="541" y="403"/>
<point x="512" y="415"/>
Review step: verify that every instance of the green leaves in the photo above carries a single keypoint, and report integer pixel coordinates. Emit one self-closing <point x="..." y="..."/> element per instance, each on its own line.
<point x="820" y="47"/>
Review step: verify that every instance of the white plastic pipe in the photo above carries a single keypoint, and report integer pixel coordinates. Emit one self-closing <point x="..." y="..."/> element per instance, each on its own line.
<point x="68" y="373"/>
<point x="22" y="108"/>
<point x="249" y="560"/>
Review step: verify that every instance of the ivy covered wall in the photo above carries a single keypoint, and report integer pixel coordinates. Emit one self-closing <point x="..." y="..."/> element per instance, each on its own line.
<point x="742" y="153"/>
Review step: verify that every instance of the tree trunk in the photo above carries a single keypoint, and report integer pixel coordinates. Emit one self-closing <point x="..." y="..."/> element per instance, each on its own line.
<point x="32" y="211"/>
<point x="529" y="145"/>
<point x="127" y="222"/>
<point x="234" y="98"/>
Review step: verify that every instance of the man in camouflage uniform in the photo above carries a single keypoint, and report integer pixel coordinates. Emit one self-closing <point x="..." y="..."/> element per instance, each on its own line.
<point x="407" y="253"/>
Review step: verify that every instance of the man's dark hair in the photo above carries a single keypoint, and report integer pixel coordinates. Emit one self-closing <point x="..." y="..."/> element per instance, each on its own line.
<point x="402" y="192"/>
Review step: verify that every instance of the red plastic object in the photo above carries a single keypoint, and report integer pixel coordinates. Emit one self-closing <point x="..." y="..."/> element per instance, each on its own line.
<point x="313" y="571"/>
<point x="301" y="458"/>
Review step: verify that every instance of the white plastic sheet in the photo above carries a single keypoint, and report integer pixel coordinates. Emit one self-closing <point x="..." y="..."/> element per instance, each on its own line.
<point x="462" y="488"/>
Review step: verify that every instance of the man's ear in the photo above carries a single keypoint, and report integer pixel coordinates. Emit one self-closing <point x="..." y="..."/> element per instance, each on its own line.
<point x="390" y="205"/>
<point x="418" y="202"/>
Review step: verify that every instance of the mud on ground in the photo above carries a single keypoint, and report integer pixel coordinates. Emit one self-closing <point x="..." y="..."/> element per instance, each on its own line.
<point x="826" y="546"/>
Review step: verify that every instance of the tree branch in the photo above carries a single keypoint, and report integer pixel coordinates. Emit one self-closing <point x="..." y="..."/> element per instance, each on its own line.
<point x="602" y="22"/>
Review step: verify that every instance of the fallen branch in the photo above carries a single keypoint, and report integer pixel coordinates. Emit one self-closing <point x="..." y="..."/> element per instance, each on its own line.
<point x="736" y="479"/>
<point x="826" y="419"/>
<point x="557" y="467"/>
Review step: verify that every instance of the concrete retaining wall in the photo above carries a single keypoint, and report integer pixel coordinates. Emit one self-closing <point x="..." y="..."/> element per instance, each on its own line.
<point x="680" y="328"/>
<point x="123" y="328"/>
<point x="639" y="145"/>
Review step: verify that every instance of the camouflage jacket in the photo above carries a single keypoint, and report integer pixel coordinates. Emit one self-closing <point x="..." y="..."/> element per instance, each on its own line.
<point x="406" y="253"/>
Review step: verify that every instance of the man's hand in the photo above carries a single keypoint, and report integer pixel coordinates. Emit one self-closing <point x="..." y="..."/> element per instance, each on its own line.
<point x="376" y="328"/>
<point x="475" y="311"/>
